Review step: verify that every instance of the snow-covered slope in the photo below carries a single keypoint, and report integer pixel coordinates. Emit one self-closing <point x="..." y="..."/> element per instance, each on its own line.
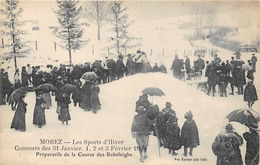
<point x="114" y="121"/>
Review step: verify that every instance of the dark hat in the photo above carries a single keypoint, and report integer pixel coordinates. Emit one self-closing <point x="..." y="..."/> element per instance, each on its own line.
<point x="253" y="126"/>
<point x="120" y="56"/>
<point x="138" y="51"/>
<point x="168" y="103"/>
<point x="229" y="128"/>
<point x="253" y="54"/>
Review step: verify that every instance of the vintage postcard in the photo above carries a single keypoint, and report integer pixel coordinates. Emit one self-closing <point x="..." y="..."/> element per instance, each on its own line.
<point x="129" y="82"/>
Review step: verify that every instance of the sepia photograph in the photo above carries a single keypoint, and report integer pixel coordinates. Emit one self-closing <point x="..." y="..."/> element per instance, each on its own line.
<point x="165" y="82"/>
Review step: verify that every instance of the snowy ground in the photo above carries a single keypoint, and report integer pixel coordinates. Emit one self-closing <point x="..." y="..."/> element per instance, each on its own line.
<point x="118" y="98"/>
<point x="114" y="121"/>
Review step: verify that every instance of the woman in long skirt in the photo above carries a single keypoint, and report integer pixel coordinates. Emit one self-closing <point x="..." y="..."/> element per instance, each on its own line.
<point x="86" y="96"/>
<point x="95" y="103"/>
<point x="18" y="122"/>
<point x="39" y="110"/>
<point x="47" y="98"/>
<point x="63" y="108"/>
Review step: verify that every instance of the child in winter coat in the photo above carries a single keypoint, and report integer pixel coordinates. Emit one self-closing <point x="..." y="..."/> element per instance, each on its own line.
<point x="189" y="134"/>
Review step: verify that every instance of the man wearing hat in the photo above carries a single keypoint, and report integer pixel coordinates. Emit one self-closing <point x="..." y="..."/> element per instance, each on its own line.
<point x="140" y="131"/>
<point x="168" y="110"/>
<point x="254" y="60"/>
<point x="252" y="145"/>
<point x="226" y="147"/>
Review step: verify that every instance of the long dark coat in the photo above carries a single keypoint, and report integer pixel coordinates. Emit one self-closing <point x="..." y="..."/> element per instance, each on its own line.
<point x="250" y="93"/>
<point x="18" y="122"/>
<point x="239" y="77"/>
<point x="190" y="134"/>
<point x="24" y="78"/>
<point x="130" y="65"/>
<point x="212" y="76"/>
<point x="120" y="68"/>
<point x="39" y="113"/>
<point x="252" y="148"/>
<point x="173" y="136"/>
<point x="63" y="102"/>
<point x="226" y="148"/>
<point x="95" y="102"/>
<point x="86" y="96"/>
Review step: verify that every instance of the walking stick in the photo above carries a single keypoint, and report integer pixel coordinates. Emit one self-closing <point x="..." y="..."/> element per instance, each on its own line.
<point x="158" y="140"/>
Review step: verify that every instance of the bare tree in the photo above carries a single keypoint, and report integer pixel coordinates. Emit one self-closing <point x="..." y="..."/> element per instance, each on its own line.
<point x="198" y="20"/>
<point x="211" y="16"/>
<point x="98" y="11"/>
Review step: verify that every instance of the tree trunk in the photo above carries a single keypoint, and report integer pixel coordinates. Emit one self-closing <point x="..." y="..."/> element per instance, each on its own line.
<point x="15" y="64"/>
<point x="98" y="32"/>
<point x="69" y="47"/>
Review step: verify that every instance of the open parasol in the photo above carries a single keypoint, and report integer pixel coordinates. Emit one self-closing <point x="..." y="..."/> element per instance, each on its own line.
<point x="244" y="116"/>
<point x="17" y="94"/>
<point x="69" y="89"/>
<point x="46" y="87"/>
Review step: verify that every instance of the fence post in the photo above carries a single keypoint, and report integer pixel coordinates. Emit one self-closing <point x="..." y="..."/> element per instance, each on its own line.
<point x="163" y="52"/>
<point x="3" y="44"/>
<point x="55" y="46"/>
<point x="108" y="51"/>
<point x="36" y="45"/>
<point x="93" y="50"/>
<point x="151" y="53"/>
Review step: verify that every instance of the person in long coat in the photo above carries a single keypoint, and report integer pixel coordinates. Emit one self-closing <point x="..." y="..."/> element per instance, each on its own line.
<point x="86" y="96"/>
<point x="39" y="110"/>
<point x="226" y="147"/>
<point x="239" y="77"/>
<point x="140" y="131"/>
<point x="94" y="98"/>
<point x="63" y="102"/>
<point x="130" y="65"/>
<point x="176" y="67"/>
<point x="120" y="67"/>
<point x="24" y="77"/>
<point x="189" y="134"/>
<point x="252" y="145"/>
<point x="212" y="78"/>
<point x="18" y="122"/>
<point x="250" y="94"/>
<point x="173" y="135"/>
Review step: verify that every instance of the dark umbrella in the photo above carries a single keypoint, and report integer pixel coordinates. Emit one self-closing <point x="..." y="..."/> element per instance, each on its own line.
<point x="46" y="87"/>
<point x="89" y="76"/>
<point x="17" y="94"/>
<point x="244" y="116"/>
<point x="153" y="91"/>
<point x="69" y="88"/>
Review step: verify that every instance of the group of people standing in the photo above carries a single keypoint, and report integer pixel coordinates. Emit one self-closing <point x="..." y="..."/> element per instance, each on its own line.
<point x="164" y="125"/>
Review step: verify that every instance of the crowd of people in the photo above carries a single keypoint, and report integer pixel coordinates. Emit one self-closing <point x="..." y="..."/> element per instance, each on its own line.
<point x="164" y="125"/>
<point x="221" y="73"/>
<point x="107" y="70"/>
